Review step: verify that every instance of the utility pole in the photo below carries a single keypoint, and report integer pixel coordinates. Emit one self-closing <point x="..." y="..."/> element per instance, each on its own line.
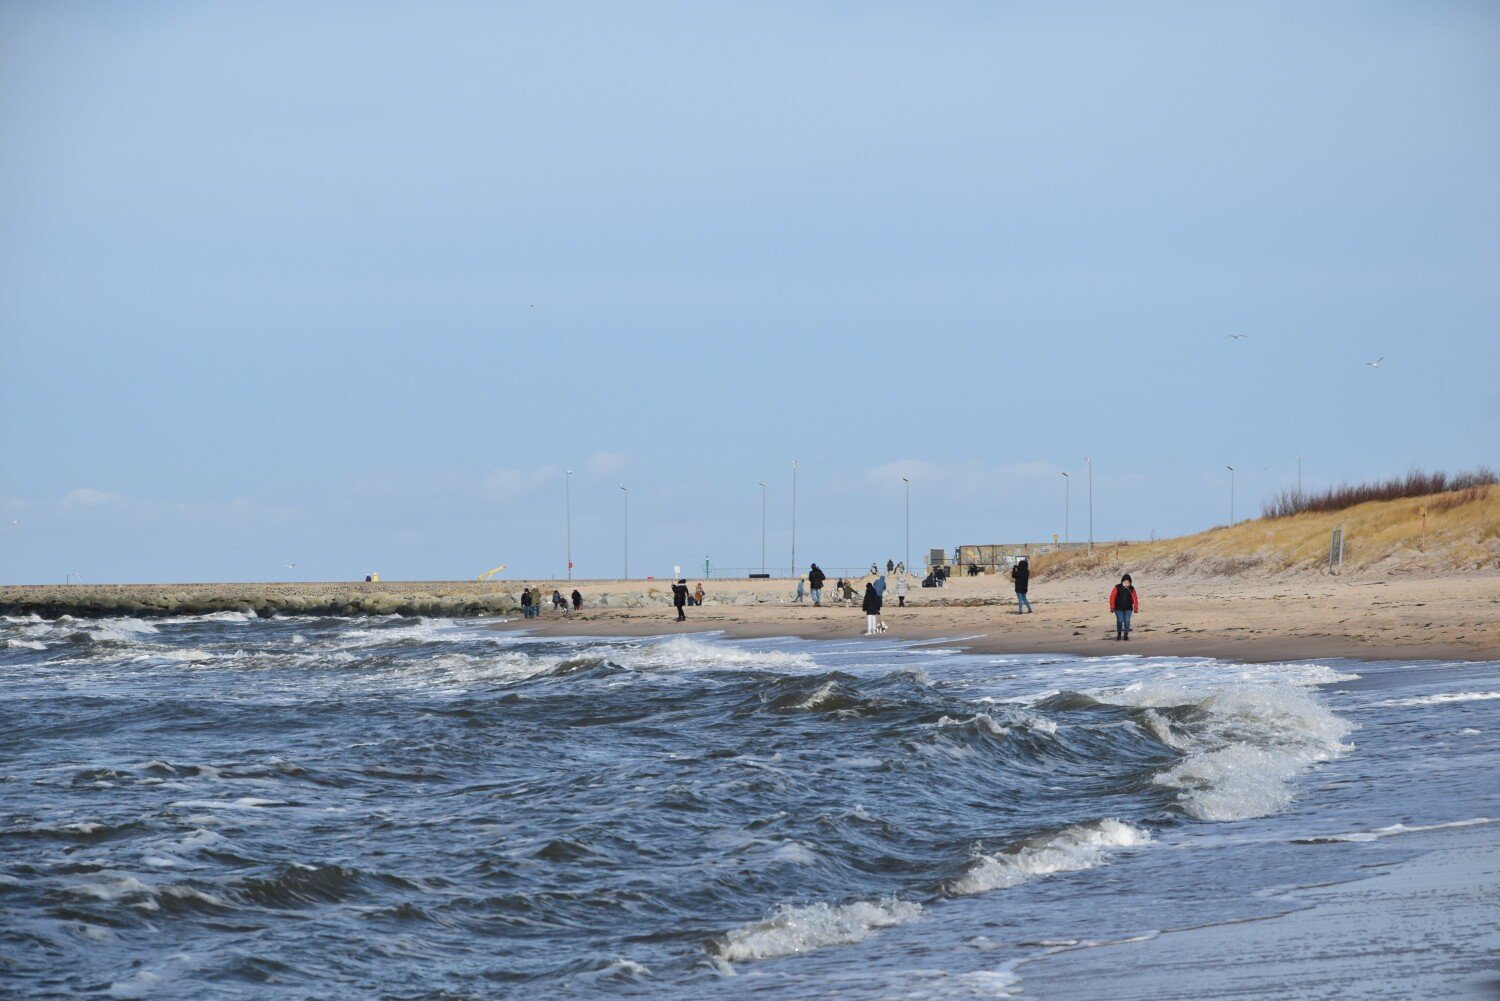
<point x="906" y="563"/>
<point x="1231" y="495"/>
<point x="568" y="479"/>
<point x="1299" y="476"/>
<point x="1091" y="503"/>
<point x="626" y="492"/>
<point x="762" y="527"/>
<point x="794" y="519"/>
<point x="1067" y="503"/>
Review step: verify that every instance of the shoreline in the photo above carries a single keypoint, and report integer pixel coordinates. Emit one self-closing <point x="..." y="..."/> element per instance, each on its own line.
<point x="1449" y="618"/>
<point x="1251" y="650"/>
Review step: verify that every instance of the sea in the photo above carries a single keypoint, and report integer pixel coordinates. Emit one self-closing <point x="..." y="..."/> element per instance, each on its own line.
<point x="225" y="806"/>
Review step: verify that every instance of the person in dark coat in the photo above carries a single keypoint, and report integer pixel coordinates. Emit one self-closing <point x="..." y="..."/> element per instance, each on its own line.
<point x="680" y="598"/>
<point x="1021" y="574"/>
<point x="815" y="579"/>
<point x="577" y="600"/>
<point x="871" y="606"/>
<point x="1124" y="602"/>
<point x="528" y="606"/>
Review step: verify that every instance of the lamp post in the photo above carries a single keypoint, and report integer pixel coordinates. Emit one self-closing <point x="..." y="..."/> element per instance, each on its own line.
<point x="568" y="480"/>
<point x="906" y="563"/>
<point x="1067" y="503"/>
<point x="1299" y="476"/>
<point x="794" y="518"/>
<point x="1091" y="503"/>
<point x="626" y="491"/>
<point x="762" y="527"/>
<point x="1231" y="495"/>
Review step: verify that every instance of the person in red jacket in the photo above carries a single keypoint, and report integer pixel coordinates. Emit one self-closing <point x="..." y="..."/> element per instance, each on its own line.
<point x="1123" y="602"/>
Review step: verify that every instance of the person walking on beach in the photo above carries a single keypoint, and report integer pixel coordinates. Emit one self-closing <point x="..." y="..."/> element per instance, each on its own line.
<point x="680" y="598"/>
<point x="901" y="586"/>
<point x="698" y="595"/>
<point x="890" y="566"/>
<point x="800" y="583"/>
<point x="871" y="607"/>
<point x="848" y="590"/>
<point x="527" y="608"/>
<point x="1021" y="574"/>
<point x="577" y="600"/>
<point x="1124" y="602"/>
<point x="815" y="579"/>
<point x="558" y="604"/>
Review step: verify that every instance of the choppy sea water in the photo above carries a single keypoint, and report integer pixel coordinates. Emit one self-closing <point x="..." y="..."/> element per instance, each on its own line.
<point x="224" y="806"/>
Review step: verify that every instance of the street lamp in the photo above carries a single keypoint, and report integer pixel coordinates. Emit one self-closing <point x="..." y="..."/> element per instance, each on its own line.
<point x="1231" y="495"/>
<point x="762" y="526"/>
<point x="906" y="564"/>
<point x="568" y="480"/>
<point x="1091" y="503"/>
<point x="1067" y="503"/>
<point x="794" y="518"/>
<point x="626" y="492"/>
<point x="1299" y="476"/>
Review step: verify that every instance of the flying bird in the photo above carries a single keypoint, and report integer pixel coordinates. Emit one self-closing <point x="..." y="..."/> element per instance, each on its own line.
<point x="1235" y="337"/>
<point x="290" y="565"/>
<point x="1376" y="362"/>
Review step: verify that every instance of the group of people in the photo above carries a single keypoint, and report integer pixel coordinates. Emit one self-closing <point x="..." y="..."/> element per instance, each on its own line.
<point x="1123" y="600"/>
<point x="682" y="597"/>
<point x="531" y="603"/>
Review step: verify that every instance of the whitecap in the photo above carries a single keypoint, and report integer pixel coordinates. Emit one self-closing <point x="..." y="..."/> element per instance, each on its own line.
<point x="793" y="930"/>
<point x="1443" y="698"/>
<point x="1244" y="743"/>
<point x="1080" y="847"/>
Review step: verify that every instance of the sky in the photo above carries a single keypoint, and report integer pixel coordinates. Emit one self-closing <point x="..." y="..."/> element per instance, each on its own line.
<point x="352" y="285"/>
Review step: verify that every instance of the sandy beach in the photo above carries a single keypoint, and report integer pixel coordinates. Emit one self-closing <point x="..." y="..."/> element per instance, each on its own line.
<point x="1454" y="617"/>
<point x="1446" y="618"/>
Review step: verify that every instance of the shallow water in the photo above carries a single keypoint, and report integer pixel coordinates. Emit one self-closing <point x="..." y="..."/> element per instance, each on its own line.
<point x="411" y="808"/>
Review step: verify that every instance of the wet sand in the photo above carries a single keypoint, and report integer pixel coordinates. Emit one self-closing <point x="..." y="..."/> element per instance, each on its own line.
<point x="1426" y="923"/>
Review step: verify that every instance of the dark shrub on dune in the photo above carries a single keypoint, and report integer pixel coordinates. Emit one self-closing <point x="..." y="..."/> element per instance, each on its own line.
<point x="1470" y="486"/>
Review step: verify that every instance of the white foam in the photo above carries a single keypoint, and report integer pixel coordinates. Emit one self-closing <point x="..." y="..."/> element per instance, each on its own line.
<point x="1395" y="829"/>
<point x="1244" y="745"/>
<point x="190" y="655"/>
<point x="684" y="652"/>
<point x="983" y="720"/>
<point x="794" y="852"/>
<point x="794" y="930"/>
<point x="26" y="644"/>
<point x="122" y="630"/>
<point x="232" y="616"/>
<point x="110" y="887"/>
<point x="1080" y="847"/>
<point x="1443" y="698"/>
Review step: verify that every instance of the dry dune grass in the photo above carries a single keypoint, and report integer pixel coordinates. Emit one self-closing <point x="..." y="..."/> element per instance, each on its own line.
<point x="1381" y="537"/>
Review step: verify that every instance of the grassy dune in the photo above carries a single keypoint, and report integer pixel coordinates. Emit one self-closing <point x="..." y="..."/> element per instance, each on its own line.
<point x="1380" y="538"/>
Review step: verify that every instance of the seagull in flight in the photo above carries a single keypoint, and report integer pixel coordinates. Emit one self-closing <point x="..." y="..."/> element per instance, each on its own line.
<point x="1235" y="337"/>
<point x="290" y="565"/>
<point x="1376" y="362"/>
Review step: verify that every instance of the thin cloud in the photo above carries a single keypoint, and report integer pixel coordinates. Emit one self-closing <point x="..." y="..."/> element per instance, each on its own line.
<point x="90" y="497"/>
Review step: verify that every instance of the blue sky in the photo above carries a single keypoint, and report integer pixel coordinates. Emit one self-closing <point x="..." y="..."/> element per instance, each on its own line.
<point x="351" y="285"/>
